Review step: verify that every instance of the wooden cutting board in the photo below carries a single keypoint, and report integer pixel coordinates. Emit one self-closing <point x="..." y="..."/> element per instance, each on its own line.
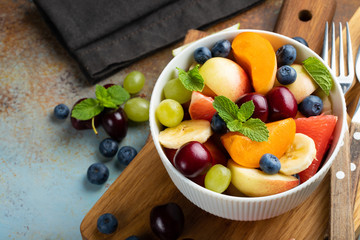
<point x="145" y="182"/>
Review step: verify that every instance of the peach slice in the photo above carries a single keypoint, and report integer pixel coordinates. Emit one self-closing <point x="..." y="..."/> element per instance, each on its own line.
<point x="224" y="77"/>
<point x="247" y="153"/>
<point x="257" y="56"/>
<point x="255" y="183"/>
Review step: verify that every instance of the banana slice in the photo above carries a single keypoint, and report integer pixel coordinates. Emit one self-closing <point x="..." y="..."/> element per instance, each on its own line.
<point x="299" y="156"/>
<point x="186" y="131"/>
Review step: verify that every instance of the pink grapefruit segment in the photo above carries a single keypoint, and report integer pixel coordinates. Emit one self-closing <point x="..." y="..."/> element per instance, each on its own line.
<point x="320" y="129"/>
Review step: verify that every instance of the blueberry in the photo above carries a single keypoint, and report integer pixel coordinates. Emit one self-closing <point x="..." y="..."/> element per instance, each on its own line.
<point x="221" y="48"/>
<point x="132" y="238"/>
<point x="126" y="154"/>
<point x="286" y="75"/>
<point x="108" y="147"/>
<point x="61" y="111"/>
<point x="269" y="164"/>
<point x="297" y="176"/>
<point x="217" y="124"/>
<point x="98" y="173"/>
<point x="301" y="40"/>
<point x="311" y="106"/>
<point x="107" y="223"/>
<point x="202" y="54"/>
<point x="285" y="55"/>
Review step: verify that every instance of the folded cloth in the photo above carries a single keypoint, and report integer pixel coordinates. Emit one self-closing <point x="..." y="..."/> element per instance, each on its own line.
<point x="106" y="35"/>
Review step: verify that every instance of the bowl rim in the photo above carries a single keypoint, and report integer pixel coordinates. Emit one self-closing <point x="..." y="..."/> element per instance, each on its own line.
<point x="324" y="168"/>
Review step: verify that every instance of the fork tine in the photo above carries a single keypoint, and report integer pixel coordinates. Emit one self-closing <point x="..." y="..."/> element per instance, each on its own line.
<point x="349" y="52"/>
<point x="341" y="53"/>
<point x="325" y="50"/>
<point x="333" y="64"/>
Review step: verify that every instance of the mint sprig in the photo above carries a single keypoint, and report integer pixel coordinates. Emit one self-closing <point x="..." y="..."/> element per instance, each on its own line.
<point x="111" y="97"/>
<point x="239" y="119"/>
<point x="319" y="73"/>
<point x="192" y="80"/>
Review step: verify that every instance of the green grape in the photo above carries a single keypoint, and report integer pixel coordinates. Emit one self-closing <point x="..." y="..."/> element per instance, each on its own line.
<point x="170" y="113"/>
<point x="134" y="82"/>
<point x="218" y="178"/>
<point x="174" y="89"/>
<point x="137" y="109"/>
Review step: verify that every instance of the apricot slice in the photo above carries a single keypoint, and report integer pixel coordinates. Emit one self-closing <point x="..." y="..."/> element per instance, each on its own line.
<point x="257" y="56"/>
<point x="247" y="153"/>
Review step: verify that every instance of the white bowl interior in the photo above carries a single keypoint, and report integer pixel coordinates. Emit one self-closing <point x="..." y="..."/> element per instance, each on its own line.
<point x="244" y="208"/>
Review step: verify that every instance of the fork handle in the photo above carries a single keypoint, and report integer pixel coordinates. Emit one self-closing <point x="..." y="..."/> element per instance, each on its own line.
<point x="341" y="214"/>
<point x="355" y="157"/>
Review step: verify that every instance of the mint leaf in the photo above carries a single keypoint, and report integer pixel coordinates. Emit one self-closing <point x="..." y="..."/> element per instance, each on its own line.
<point x="87" y="109"/>
<point x="238" y="119"/>
<point x="104" y="97"/>
<point x="246" y="110"/>
<point x="118" y="94"/>
<point x="226" y="108"/>
<point x="319" y="73"/>
<point x="192" y="80"/>
<point x="234" y="126"/>
<point x="255" y="129"/>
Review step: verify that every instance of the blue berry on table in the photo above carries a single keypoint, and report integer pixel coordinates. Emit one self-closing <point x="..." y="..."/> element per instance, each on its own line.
<point x="285" y="55"/>
<point x="107" y="223"/>
<point x="286" y="75"/>
<point x="311" y="106"/>
<point x="108" y="147"/>
<point x="217" y="124"/>
<point x="61" y="111"/>
<point x="221" y="48"/>
<point x="202" y="54"/>
<point x="301" y="40"/>
<point x="126" y="154"/>
<point x="270" y="164"/>
<point x="97" y="173"/>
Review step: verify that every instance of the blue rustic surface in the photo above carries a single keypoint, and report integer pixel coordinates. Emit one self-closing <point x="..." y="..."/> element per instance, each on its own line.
<point x="44" y="193"/>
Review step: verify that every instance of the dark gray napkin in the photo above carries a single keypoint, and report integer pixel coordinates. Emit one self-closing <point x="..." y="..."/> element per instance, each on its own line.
<point x="106" y="35"/>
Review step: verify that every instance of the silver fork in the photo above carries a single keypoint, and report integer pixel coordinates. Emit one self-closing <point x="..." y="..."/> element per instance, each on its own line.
<point x="341" y="214"/>
<point x="344" y="80"/>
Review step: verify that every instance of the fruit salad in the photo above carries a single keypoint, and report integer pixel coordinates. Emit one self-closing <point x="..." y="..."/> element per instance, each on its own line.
<point x="246" y="119"/>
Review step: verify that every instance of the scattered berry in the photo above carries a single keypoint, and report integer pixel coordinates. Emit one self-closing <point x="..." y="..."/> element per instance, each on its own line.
<point x="286" y="75"/>
<point x="218" y="125"/>
<point x="270" y="164"/>
<point x="285" y="55"/>
<point x="221" y="48"/>
<point x="202" y="54"/>
<point x="108" y="147"/>
<point x="126" y="154"/>
<point x="301" y="40"/>
<point x="107" y="223"/>
<point x="311" y="106"/>
<point x="167" y="221"/>
<point x="98" y="173"/>
<point x="61" y="111"/>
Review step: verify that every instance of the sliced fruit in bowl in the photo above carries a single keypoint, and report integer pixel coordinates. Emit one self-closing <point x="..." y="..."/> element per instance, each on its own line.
<point x="237" y="102"/>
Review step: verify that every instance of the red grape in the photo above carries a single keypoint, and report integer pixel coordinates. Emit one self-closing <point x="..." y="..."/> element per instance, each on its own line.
<point x="114" y="122"/>
<point x="167" y="221"/>
<point x="282" y="104"/>
<point x="261" y="105"/>
<point x="192" y="159"/>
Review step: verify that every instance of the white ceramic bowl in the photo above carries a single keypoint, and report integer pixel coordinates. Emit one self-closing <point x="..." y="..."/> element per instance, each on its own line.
<point x="244" y="208"/>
